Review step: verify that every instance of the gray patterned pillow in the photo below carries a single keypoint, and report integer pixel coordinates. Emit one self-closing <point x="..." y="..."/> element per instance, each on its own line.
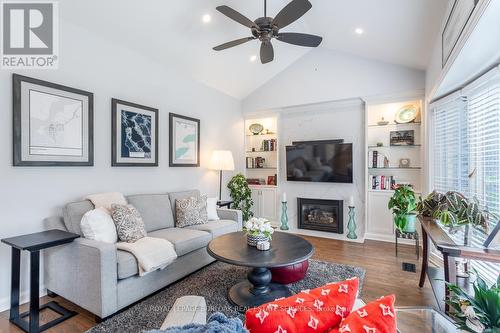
<point x="191" y="211"/>
<point x="129" y="224"/>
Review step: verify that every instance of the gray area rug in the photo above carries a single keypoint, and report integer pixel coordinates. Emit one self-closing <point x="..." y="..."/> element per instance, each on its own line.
<point x="212" y="282"/>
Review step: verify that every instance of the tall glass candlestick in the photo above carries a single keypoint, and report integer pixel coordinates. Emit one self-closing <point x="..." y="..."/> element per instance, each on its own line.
<point x="284" y="216"/>
<point x="351" y="226"/>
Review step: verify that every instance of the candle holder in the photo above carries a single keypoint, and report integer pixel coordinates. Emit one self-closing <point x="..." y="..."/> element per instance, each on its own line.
<point x="284" y="216"/>
<point x="351" y="226"/>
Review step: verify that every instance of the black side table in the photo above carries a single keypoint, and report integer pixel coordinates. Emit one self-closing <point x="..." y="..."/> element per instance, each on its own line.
<point x="221" y="204"/>
<point x="34" y="243"/>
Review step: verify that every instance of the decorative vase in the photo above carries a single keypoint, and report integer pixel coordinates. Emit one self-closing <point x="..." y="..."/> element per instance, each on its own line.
<point x="252" y="240"/>
<point x="410" y="223"/>
<point x="284" y="216"/>
<point x="351" y="226"/>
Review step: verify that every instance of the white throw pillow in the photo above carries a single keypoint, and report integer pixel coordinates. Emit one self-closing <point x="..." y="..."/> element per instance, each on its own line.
<point x="105" y="200"/>
<point x="212" y="209"/>
<point x="98" y="225"/>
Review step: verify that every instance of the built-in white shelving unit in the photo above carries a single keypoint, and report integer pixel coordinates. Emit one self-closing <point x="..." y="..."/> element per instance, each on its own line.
<point x="261" y="156"/>
<point x="379" y="223"/>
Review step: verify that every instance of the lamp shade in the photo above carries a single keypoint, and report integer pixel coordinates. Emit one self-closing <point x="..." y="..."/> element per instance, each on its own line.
<point x="221" y="160"/>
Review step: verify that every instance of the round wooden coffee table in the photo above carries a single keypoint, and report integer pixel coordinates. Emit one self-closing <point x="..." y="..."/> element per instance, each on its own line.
<point x="286" y="249"/>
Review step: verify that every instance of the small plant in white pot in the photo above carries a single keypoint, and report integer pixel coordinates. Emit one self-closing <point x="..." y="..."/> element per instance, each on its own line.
<point x="403" y="204"/>
<point x="258" y="230"/>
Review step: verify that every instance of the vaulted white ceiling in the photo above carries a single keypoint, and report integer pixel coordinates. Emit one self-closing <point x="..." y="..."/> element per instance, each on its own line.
<point x="396" y="31"/>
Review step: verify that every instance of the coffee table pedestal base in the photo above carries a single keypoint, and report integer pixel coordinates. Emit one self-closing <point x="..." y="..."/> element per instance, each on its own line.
<point x="257" y="290"/>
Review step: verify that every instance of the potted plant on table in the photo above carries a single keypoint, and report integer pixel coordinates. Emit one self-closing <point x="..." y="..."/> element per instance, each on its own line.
<point x="403" y="204"/>
<point x="479" y="313"/>
<point x="258" y="230"/>
<point x="241" y="195"/>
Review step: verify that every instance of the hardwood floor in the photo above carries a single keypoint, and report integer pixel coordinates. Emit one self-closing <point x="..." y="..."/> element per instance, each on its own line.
<point x="383" y="276"/>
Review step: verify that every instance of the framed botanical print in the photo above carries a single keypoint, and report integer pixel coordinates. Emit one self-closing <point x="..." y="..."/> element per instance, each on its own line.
<point x="184" y="144"/>
<point x="134" y="134"/>
<point x="53" y="124"/>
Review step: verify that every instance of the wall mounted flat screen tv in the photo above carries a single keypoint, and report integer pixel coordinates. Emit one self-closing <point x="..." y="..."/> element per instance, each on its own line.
<point x="319" y="161"/>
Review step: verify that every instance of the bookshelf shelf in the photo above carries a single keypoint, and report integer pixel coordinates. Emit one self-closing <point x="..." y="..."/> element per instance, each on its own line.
<point x="396" y="168"/>
<point x="266" y="168"/>
<point x="260" y="151"/>
<point x="387" y="147"/>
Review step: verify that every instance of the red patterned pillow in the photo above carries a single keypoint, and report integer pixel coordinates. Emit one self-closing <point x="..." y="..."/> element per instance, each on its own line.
<point x="375" y="317"/>
<point x="316" y="310"/>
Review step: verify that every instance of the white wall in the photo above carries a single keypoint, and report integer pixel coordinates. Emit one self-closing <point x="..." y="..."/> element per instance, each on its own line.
<point x="323" y="75"/>
<point x="28" y="194"/>
<point x="327" y="121"/>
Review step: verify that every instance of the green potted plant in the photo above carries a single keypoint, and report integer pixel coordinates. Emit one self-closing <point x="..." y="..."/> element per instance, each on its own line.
<point x="403" y="204"/>
<point x="241" y="195"/>
<point x="479" y="313"/>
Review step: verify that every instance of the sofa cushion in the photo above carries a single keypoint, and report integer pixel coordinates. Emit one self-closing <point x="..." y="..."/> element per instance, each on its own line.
<point x="155" y="210"/>
<point x="126" y="264"/>
<point x="181" y="195"/>
<point x="217" y="228"/>
<point x="185" y="240"/>
<point x="73" y="213"/>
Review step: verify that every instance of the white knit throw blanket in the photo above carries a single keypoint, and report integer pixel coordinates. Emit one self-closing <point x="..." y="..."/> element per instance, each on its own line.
<point x="151" y="253"/>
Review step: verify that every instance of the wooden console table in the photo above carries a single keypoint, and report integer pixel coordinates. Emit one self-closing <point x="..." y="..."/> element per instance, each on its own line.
<point x="450" y="250"/>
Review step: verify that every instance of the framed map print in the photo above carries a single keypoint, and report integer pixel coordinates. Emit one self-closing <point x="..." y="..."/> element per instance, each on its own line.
<point x="53" y="124"/>
<point x="184" y="141"/>
<point x="134" y="134"/>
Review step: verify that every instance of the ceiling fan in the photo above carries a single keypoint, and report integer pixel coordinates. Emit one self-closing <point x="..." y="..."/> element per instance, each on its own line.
<point x="266" y="28"/>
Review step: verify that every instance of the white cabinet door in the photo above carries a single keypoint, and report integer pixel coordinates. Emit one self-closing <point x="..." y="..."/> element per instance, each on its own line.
<point x="268" y="203"/>
<point x="380" y="219"/>
<point x="257" y="207"/>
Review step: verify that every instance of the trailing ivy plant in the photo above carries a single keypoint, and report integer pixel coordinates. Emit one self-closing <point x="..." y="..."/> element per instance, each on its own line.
<point x="241" y="195"/>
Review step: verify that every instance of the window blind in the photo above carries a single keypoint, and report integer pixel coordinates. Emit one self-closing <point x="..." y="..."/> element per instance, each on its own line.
<point x="466" y="150"/>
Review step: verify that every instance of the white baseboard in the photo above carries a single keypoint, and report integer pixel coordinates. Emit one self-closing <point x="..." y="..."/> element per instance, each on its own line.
<point x="389" y="239"/>
<point x="24" y="298"/>
<point x="322" y="234"/>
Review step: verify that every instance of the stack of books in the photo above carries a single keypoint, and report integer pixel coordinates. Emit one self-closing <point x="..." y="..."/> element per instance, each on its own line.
<point x="377" y="160"/>
<point x="381" y="182"/>
<point x="268" y="145"/>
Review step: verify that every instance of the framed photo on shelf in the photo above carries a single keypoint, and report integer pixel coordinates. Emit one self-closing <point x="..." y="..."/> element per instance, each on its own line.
<point x="184" y="143"/>
<point x="134" y="140"/>
<point x="402" y="138"/>
<point x="53" y="124"/>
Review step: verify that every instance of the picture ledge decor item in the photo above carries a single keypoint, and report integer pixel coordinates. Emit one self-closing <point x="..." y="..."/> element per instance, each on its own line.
<point x="402" y="138"/>
<point x="184" y="143"/>
<point x="53" y="124"/>
<point x="134" y="140"/>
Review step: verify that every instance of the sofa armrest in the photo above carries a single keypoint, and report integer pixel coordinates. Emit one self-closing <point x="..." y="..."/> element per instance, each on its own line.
<point x="231" y="214"/>
<point x="84" y="272"/>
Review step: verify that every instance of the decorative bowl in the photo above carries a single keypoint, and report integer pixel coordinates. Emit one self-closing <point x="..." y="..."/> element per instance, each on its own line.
<point x="252" y="240"/>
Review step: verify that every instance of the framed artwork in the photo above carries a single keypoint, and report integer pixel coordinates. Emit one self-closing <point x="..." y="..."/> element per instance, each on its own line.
<point x="402" y="138"/>
<point x="184" y="144"/>
<point x="53" y="124"/>
<point x="134" y="137"/>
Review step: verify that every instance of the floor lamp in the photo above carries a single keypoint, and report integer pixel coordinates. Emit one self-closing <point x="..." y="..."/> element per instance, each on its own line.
<point x="222" y="160"/>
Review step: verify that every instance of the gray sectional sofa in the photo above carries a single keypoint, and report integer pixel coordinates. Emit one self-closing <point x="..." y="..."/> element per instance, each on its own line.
<point x="102" y="279"/>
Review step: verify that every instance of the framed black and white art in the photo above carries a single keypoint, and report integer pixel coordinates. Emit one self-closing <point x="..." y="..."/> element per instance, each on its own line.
<point x="134" y="134"/>
<point x="184" y="144"/>
<point x="53" y="124"/>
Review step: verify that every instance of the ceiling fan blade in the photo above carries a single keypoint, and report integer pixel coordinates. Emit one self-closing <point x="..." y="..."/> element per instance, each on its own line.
<point x="292" y="12"/>
<point x="266" y="52"/>
<point x="299" y="39"/>
<point x="234" y="15"/>
<point x="233" y="43"/>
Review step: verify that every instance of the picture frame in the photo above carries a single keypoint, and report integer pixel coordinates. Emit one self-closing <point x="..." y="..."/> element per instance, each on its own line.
<point x="402" y="138"/>
<point x="184" y="141"/>
<point x="134" y="134"/>
<point x="53" y="124"/>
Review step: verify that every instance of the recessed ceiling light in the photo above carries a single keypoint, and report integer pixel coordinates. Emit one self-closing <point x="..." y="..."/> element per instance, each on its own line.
<point x="206" y="18"/>
<point x="359" y="31"/>
<point x="253" y="58"/>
